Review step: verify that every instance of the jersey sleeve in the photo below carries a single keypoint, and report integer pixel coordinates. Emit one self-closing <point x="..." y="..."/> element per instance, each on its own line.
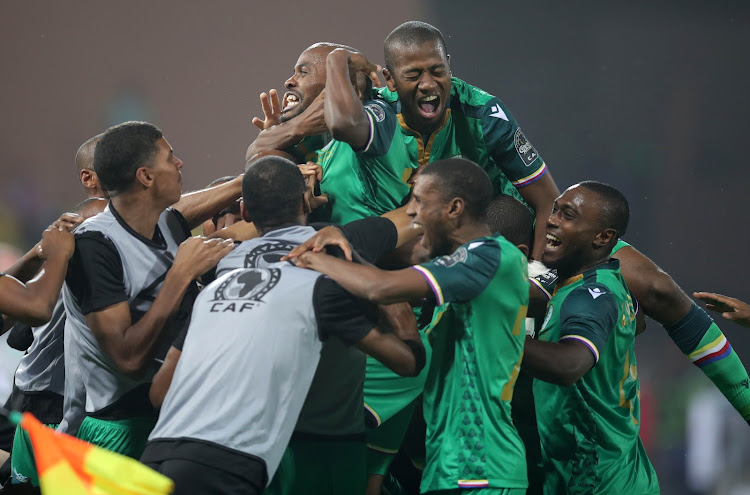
<point x="95" y="275"/>
<point x="508" y="146"/>
<point x="340" y="314"/>
<point x="463" y="275"/>
<point x="383" y="125"/>
<point x="589" y="315"/>
<point x="371" y="237"/>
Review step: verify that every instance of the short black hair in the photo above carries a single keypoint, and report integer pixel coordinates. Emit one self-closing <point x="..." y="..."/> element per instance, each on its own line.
<point x="411" y="33"/>
<point x="615" y="211"/>
<point x="511" y="218"/>
<point x="272" y="190"/>
<point x="121" y="151"/>
<point x="462" y="178"/>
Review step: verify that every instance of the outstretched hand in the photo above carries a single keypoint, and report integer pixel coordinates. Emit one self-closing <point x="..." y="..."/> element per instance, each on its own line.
<point x="729" y="307"/>
<point x="271" y="110"/>
<point x="328" y="236"/>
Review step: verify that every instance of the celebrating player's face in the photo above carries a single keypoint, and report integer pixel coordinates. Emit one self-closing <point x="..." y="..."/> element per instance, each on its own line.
<point x="571" y="229"/>
<point x="428" y="210"/>
<point x="166" y="168"/>
<point x="306" y="83"/>
<point x="421" y="76"/>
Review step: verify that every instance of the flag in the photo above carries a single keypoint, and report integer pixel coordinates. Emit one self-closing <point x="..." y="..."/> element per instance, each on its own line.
<point x="69" y="466"/>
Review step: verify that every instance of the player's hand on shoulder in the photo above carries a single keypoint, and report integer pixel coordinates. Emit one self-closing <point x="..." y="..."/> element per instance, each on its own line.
<point x="271" y="110"/>
<point x="57" y="239"/>
<point x="729" y="307"/>
<point x="197" y="255"/>
<point x="328" y="236"/>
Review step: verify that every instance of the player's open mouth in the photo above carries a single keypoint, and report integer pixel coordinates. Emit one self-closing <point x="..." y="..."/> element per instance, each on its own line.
<point x="291" y="100"/>
<point x="552" y="241"/>
<point x="428" y="106"/>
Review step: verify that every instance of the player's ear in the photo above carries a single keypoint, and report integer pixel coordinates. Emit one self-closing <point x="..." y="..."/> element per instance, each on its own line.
<point x="389" y="80"/>
<point x="524" y="249"/>
<point x="605" y="238"/>
<point x="456" y="207"/>
<point x="243" y="212"/>
<point x="144" y="176"/>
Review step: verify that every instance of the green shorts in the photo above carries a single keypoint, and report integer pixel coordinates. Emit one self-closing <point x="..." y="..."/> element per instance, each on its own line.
<point x="320" y="467"/>
<point x="22" y="465"/>
<point x="384" y="441"/>
<point x="387" y="393"/>
<point x="124" y="436"/>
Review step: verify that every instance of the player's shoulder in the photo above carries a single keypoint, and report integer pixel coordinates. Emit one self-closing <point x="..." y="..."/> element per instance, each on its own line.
<point x="475" y="102"/>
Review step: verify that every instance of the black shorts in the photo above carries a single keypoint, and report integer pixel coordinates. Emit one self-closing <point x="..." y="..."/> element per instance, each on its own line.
<point x="199" y="467"/>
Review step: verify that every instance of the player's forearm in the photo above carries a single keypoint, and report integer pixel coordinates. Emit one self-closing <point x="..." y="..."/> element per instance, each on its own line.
<point x="137" y="344"/>
<point x="279" y="137"/>
<point x="34" y="302"/>
<point x="552" y="362"/>
<point x="198" y="206"/>
<point x="344" y="115"/>
<point x="163" y="378"/>
<point x="365" y="282"/>
<point x="400" y="319"/>
<point x="27" y="266"/>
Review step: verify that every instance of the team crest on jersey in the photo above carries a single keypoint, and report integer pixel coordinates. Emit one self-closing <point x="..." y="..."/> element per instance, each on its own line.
<point x="524" y="148"/>
<point x="448" y="261"/>
<point x="243" y="289"/>
<point x="547" y="317"/>
<point x="267" y="254"/>
<point x="376" y="111"/>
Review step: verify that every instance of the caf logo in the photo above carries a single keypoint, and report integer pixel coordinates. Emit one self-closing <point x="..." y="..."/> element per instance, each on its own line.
<point x="247" y="284"/>
<point x="267" y="254"/>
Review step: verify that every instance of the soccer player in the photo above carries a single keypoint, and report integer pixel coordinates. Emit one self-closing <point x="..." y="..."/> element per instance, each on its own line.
<point x="730" y="308"/>
<point x="86" y="172"/>
<point x="252" y="350"/>
<point x="39" y="381"/>
<point x="124" y="290"/>
<point x="587" y="390"/>
<point x="480" y="285"/>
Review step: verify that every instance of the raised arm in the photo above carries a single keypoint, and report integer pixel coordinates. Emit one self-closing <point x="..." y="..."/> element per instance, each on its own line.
<point x="344" y="114"/>
<point x="33" y="303"/>
<point x="199" y="206"/>
<point x="368" y="282"/>
<point x="540" y="195"/>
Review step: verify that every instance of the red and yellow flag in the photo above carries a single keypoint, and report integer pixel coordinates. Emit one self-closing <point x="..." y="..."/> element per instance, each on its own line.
<point x="69" y="466"/>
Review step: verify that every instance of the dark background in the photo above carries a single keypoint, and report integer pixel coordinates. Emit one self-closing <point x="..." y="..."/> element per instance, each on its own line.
<point x="651" y="97"/>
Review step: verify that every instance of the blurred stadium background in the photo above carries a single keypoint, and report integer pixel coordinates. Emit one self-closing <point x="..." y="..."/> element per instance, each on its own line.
<point x="649" y="96"/>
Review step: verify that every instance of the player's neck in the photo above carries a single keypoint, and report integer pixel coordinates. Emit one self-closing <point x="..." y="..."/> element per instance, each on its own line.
<point x="565" y="272"/>
<point x="468" y="232"/>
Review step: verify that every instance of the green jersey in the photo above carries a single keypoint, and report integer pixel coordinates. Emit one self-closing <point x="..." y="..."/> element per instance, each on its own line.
<point x="477" y="347"/>
<point x="377" y="178"/>
<point x="589" y="431"/>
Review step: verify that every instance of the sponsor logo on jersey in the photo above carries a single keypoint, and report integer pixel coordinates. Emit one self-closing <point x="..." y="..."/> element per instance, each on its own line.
<point x="244" y="289"/>
<point x="596" y="292"/>
<point x="376" y="111"/>
<point x="524" y="148"/>
<point x="498" y="113"/>
<point x="452" y="260"/>
<point x="267" y="254"/>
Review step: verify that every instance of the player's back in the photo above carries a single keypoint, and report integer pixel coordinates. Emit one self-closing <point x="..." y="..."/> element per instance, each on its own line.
<point x="247" y="363"/>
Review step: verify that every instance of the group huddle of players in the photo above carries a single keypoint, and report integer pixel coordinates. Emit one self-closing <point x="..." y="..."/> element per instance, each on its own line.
<point x="394" y="260"/>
